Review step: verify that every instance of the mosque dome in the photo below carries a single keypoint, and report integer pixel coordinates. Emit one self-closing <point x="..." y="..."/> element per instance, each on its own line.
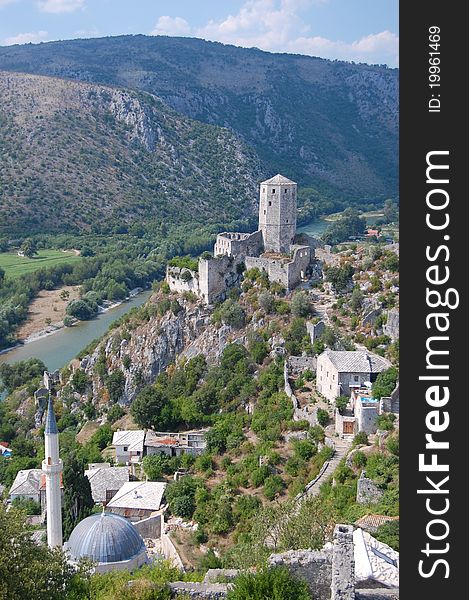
<point x="107" y="538"/>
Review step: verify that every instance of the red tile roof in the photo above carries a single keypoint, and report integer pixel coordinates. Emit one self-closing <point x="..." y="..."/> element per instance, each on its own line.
<point x="43" y="482"/>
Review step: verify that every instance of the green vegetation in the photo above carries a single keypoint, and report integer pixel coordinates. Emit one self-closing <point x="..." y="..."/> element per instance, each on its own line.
<point x="15" y="375"/>
<point x="269" y="584"/>
<point x="14" y="266"/>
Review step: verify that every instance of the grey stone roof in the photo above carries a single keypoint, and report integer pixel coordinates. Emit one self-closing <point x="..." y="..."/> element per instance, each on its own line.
<point x="27" y="483"/>
<point x="146" y="495"/>
<point x="279" y="179"/>
<point x="51" y="424"/>
<point x="105" y="538"/>
<point x="106" y="478"/>
<point x="357" y="361"/>
<point x="133" y="438"/>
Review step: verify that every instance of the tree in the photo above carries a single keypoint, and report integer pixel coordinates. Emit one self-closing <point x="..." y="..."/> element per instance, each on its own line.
<point x="29" y="248"/>
<point x="82" y="310"/>
<point x="29" y="570"/>
<point x="349" y="225"/>
<point x="147" y="407"/>
<point x="80" y="381"/>
<point x="231" y="313"/>
<point x="356" y="299"/>
<point x="300" y="305"/>
<point x="340" y="277"/>
<point x="341" y="403"/>
<point x="388" y="533"/>
<point x="77" y="499"/>
<point x="385" y="383"/>
<point x="390" y="211"/>
<point x="155" y="465"/>
<point x="266" y="302"/>
<point x="115" y="384"/>
<point x="16" y="375"/>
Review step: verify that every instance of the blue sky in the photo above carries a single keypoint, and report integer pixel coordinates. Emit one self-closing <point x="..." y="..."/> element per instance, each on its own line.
<point x="359" y="30"/>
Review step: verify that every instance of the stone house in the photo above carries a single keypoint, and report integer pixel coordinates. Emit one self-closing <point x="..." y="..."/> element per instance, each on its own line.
<point x="339" y="372"/>
<point x="175" y="444"/>
<point x="137" y="500"/>
<point x="360" y="414"/>
<point x="105" y="481"/>
<point x="128" y="446"/>
<point x="27" y="485"/>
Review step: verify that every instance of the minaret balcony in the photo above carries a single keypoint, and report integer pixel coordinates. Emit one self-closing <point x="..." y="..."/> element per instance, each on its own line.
<point x="51" y="469"/>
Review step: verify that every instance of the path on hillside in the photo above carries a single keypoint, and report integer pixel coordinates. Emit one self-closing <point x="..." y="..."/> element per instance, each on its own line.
<point x="341" y="449"/>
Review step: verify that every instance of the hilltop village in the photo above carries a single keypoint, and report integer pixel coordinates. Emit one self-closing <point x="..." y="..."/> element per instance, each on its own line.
<point x="248" y="414"/>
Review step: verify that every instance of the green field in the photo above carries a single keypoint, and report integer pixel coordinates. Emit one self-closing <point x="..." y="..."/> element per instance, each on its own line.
<point x="15" y="265"/>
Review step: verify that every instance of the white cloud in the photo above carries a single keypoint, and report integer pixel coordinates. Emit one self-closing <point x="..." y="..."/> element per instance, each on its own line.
<point x="276" y="26"/>
<point x="60" y="6"/>
<point x="171" y="26"/>
<point x="380" y="47"/>
<point x="26" y="38"/>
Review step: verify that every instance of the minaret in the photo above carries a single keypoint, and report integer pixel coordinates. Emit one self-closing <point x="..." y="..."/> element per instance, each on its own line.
<point x="277" y="213"/>
<point x="52" y="467"/>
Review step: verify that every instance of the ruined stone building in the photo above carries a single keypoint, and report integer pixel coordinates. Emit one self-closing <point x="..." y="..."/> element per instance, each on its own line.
<point x="274" y="248"/>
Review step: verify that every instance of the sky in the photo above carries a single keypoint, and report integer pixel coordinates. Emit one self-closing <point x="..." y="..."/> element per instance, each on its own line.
<point x="353" y="30"/>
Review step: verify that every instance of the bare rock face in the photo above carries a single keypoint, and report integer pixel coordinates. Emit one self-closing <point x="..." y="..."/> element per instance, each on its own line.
<point x="155" y="345"/>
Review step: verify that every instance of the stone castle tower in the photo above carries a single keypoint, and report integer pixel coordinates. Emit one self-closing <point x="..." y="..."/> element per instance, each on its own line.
<point x="277" y="213"/>
<point x="52" y="467"/>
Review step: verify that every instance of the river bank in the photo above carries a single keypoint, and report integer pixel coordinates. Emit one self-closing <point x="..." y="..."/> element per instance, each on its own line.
<point x="58" y="347"/>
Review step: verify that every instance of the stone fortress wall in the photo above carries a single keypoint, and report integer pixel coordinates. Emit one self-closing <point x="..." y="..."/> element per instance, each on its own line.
<point x="270" y="249"/>
<point x="238" y="244"/>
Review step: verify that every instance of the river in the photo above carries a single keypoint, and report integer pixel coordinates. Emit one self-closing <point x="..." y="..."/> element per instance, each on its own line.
<point x="57" y="349"/>
<point x="314" y="229"/>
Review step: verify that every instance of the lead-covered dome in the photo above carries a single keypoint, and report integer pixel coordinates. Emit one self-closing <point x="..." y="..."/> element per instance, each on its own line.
<point x="105" y="538"/>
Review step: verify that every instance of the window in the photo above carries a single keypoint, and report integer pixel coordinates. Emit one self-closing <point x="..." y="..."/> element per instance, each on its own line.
<point x="285" y="191"/>
<point x="126" y="448"/>
<point x="287" y="220"/>
<point x="356" y="378"/>
<point x="273" y="190"/>
<point x="264" y="212"/>
<point x="270" y="203"/>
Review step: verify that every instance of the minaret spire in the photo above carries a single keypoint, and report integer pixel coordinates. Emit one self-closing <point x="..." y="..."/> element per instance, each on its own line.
<point x="52" y="467"/>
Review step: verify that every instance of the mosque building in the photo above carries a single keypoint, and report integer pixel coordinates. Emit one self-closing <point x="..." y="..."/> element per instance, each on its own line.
<point x="109" y="540"/>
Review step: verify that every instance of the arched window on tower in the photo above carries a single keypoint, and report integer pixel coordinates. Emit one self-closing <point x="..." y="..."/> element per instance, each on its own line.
<point x="273" y="190"/>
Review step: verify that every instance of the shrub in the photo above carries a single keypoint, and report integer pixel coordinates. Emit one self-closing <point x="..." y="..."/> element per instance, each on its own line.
<point x="273" y="485"/>
<point x="388" y="533"/>
<point x="392" y="444"/>
<point x="322" y="417"/>
<point x="359" y="459"/>
<point x="300" y="305"/>
<point x="360" y="439"/>
<point x="386" y="422"/>
<point x="268" y="584"/>
<point x="114" y="413"/>
<point x="341" y="403"/>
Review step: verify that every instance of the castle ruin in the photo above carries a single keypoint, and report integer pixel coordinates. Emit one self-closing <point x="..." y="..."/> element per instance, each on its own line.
<point x="274" y="248"/>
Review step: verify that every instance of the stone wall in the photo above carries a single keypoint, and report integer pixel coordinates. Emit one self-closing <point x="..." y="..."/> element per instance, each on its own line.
<point x="238" y="244"/>
<point x="313" y="566"/>
<point x="286" y="272"/>
<point x="216" y="277"/>
<point x="343" y="564"/>
<point x="170" y="552"/>
<point x="367" y="490"/>
<point x="366" y="414"/>
<point x="150" y="527"/>
<point x="299" y="364"/>
<point x="315" y="330"/>
<point x="178" y="281"/>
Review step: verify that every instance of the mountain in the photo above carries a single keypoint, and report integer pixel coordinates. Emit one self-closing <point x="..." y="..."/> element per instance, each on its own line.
<point x="78" y="157"/>
<point x="327" y="124"/>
